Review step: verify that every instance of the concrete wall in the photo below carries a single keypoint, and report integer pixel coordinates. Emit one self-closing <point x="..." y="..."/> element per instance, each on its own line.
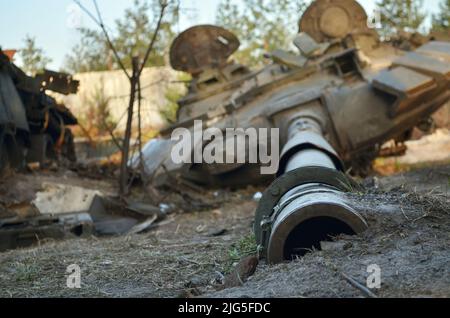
<point x="115" y="86"/>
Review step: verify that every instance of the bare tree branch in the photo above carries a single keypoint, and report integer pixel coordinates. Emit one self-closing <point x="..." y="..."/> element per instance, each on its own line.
<point x="164" y="4"/>
<point x="87" y="12"/>
<point x="113" y="48"/>
<point x="114" y="139"/>
<point x="135" y="87"/>
<point x="99" y="22"/>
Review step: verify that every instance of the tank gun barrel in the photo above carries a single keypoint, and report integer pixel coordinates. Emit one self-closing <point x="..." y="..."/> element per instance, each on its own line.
<point x="307" y="203"/>
<point x="340" y="100"/>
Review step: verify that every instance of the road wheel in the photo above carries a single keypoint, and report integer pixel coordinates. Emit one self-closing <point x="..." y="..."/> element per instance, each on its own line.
<point x="68" y="147"/>
<point x="41" y="149"/>
<point x="4" y="160"/>
<point x="17" y="154"/>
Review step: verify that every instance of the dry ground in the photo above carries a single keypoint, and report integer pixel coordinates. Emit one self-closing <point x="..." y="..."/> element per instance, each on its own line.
<point x="183" y="252"/>
<point x="188" y="253"/>
<point x="408" y="239"/>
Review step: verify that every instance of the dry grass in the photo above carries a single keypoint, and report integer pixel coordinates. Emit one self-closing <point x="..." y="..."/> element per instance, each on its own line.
<point x="408" y="238"/>
<point x="170" y="261"/>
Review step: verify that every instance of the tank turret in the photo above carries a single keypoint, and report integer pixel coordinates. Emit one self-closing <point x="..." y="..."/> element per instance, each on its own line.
<point x="301" y="122"/>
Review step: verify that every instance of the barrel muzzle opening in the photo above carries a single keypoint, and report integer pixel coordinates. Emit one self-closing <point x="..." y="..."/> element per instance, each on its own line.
<point x="309" y="218"/>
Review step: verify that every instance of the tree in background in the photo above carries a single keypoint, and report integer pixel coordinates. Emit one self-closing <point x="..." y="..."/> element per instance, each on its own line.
<point x="130" y="36"/>
<point x="441" y="21"/>
<point x="260" y="25"/>
<point x="138" y="62"/>
<point x="400" y="15"/>
<point x="33" y="58"/>
<point x="97" y="119"/>
<point x="91" y="54"/>
<point x="135" y="30"/>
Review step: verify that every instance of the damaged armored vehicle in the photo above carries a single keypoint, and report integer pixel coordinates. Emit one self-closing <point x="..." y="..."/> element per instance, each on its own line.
<point x="33" y="126"/>
<point x="333" y="104"/>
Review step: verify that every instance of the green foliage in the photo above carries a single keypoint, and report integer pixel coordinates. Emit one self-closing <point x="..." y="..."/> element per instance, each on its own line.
<point x="91" y="54"/>
<point x="25" y="272"/>
<point x="131" y="36"/>
<point x="97" y="120"/>
<point x="400" y="15"/>
<point x="441" y="21"/>
<point x="33" y="58"/>
<point x="173" y="95"/>
<point x="245" y="247"/>
<point x="261" y="25"/>
<point x="169" y="111"/>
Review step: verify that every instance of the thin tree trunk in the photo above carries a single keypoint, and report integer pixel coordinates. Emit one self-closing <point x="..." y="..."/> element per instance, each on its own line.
<point x="124" y="175"/>
<point x="141" y="156"/>
<point x="134" y="84"/>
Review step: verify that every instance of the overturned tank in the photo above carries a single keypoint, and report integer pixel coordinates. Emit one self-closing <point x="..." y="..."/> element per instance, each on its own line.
<point x="302" y="122"/>
<point x="33" y="126"/>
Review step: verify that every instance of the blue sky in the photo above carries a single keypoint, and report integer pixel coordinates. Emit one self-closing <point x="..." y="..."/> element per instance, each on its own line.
<point x="52" y="21"/>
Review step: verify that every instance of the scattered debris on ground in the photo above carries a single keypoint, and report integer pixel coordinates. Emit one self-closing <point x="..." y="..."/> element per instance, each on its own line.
<point x="211" y="252"/>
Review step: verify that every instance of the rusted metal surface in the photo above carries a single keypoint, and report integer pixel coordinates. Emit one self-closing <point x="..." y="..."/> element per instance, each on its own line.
<point x="337" y="85"/>
<point x="426" y="64"/>
<point x="202" y="47"/>
<point x="403" y="81"/>
<point x="10" y="54"/>
<point x="33" y="126"/>
<point x="405" y="84"/>
<point x="330" y="19"/>
<point x="58" y="82"/>
<point x="436" y="49"/>
<point x="19" y="233"/>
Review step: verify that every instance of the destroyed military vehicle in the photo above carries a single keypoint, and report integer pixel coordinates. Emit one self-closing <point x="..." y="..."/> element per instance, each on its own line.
<point x="34" y="129"/>
<point x="335" y="102"/>
<point x="33" y="126"/>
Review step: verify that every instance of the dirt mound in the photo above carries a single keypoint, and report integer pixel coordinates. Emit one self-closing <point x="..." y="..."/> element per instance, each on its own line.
<point x="408" y="240"/>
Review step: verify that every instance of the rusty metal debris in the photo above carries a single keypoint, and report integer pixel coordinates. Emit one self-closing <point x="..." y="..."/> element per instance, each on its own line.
<point x="61" y="211"/>
<point x="115" y="217"/>
<point x="201" y="48"/>
<point x="17" y="232"/>
<point x="335" y="102"/>
<point x="33" y="126"/>
<point x="34" y="130"/>
<point x="241" y="273"/>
